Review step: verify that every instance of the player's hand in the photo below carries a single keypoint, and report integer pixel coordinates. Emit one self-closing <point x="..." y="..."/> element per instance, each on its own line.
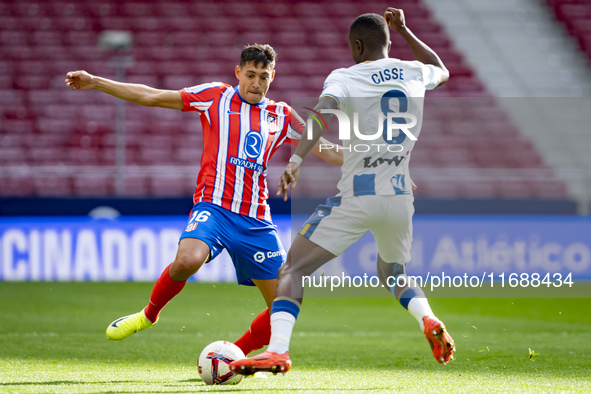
<point x="290" y="176"/>
<point x="79" y="80"/>
<point x="395" y="19"/>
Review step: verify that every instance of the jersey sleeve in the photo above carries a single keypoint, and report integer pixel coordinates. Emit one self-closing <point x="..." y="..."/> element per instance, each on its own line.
<point x="292" y="128"/>
<point x="335" y="86"/>
<point x="295" y="128"/>
<point x="200" y="97"/>
<point x="432" y="76"/>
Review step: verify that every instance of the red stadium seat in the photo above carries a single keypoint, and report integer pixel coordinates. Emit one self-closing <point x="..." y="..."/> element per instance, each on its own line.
<point x="55" y="126"/>
<point x="150" y="80"/>
<point x="11" y="37"/>
<point x="16" y="187"/>
<point x="52" y="186"/>
<point x="485" y="189"/>
<point x="12" y="156"/>
<point x="32" y="82"/>
<point x="46" y="140"/>
<point x="6" y="82"/>
<point x="177" y="82"/>
<point x="68" y="8"/>
<point x="188" y="156"/>
<point x="439" y="189"/>
<point x="102" y="8"/>
<point x="172" y="9"/>
<point x="93" y="186"/>
<point x="517" y="189"/>
<point x="11" y="97"/>
<point x="18" y="126"/>
<point x="156" y="156"/>
<point x="136" y="186"/>
<point x="45" y="156"/>
<point x="83" y="156"/>
<point x="137" y="9"/>
<point x="108" y="156"/>
<point x="9" y="22"/>
<point x="30" y="9"/>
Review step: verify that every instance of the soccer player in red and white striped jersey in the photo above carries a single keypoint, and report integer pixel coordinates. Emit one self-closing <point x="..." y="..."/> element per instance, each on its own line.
<point x="242" y="129"/>
<point x="243" y="135"/>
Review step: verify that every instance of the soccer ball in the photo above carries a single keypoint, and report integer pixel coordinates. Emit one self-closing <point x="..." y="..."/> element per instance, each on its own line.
<point x="214" y="363"/>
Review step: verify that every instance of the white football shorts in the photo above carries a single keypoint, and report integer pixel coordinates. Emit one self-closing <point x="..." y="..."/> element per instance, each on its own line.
<point x="341" y="221"/>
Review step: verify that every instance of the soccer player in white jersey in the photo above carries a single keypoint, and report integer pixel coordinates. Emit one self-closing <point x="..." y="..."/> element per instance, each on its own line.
<point x="375" y="187"/>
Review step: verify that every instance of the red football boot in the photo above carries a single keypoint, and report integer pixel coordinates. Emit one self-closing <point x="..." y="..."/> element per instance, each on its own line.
<point x="265" y="362"/>
<point x="441" y="342"/>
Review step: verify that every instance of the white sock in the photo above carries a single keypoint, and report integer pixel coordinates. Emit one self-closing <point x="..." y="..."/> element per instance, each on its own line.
<point x="419" y="308"/>
<point x="281" y="327"/>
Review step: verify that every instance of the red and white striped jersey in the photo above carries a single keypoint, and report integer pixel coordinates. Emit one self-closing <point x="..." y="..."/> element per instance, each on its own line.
<point x="238" y="140"/>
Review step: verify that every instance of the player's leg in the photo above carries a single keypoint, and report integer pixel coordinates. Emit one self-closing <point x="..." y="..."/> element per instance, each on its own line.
<point x="259" y="333"/>
<point x="394" y="239"/>
<point x="257" y="254"/>
<point x="303" y="259"/>
<point x="326" y="234"/>
<point x="191" y="255"/>
<point x="413" y="299"/>
<point x="405" y="289"/>
<point x="198" y="244"/>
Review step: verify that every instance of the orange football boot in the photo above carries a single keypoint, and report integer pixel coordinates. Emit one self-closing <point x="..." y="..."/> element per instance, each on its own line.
<point x="441" y="342"/>
<point x="265" y="362"/>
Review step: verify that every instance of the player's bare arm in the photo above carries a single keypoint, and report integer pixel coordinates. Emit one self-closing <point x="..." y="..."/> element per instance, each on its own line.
<point x="421" y="51"/>
<point x="291" y="174"/>
<point x="135" y="93"/>
<point x="331" y="156"/>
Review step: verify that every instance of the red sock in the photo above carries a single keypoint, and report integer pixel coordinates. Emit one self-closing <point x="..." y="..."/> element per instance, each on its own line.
<point x="257" y="335"/>
<point x="163" y="291"/>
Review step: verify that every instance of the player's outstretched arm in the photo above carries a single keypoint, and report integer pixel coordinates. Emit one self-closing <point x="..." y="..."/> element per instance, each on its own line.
<point x="136" y="93"/>
<point x="422" y="52"/>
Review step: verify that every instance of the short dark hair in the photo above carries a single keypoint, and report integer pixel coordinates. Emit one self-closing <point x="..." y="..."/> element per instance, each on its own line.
<point x="371" y="29"/>
<point x="259" y="54"/>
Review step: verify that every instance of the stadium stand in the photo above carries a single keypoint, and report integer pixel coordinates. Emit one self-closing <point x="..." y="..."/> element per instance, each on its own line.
<point x="54" y="142"/>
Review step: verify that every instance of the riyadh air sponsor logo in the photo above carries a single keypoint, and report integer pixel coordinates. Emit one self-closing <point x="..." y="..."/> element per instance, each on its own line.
<point x="253" y="144"/>
<point x="259" y="257"/>
<point x="249" y="165"/>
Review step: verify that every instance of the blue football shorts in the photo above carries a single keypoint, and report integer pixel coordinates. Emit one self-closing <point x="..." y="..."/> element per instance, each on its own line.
<point x="252" y="244"/>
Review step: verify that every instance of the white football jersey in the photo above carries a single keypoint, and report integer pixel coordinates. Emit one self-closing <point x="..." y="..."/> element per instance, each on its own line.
<point x="377" y="96"/>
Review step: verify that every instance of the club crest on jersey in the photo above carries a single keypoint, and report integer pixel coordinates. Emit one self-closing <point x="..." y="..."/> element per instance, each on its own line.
<point x="271" y="118"/>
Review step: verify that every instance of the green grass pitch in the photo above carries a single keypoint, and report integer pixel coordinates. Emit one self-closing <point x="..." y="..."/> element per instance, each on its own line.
<point x="52" y="340"/>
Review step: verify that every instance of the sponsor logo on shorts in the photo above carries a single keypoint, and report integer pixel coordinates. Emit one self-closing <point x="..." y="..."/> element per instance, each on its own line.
<point x="259" y="257"/>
